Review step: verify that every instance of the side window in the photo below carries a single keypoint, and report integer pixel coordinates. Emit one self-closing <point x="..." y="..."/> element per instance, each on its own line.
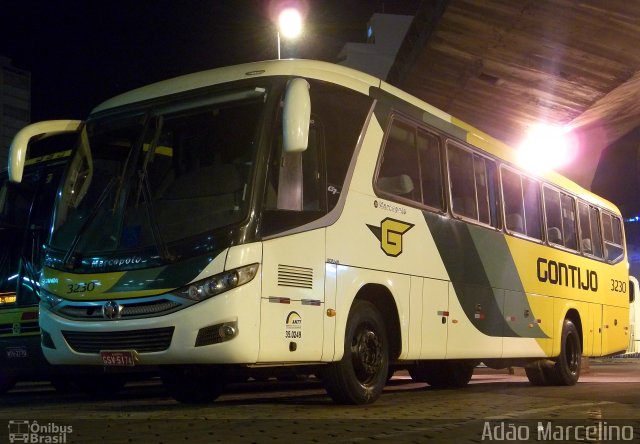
<point x="483" y="173"/>
<point x="430" y="170"/>
<point x="554" y="218"/>
<point x="561" y="218"/>
<point x="399" y="172"/>
<point x="596" y="235"/>
<point x="462" y="182"/>
<point x="472" y="185"/>
<point x="569" y="221"/>
<point x="612" y="233"/>
<point x="532" y="213"/>
<point x="513" y="202"/>
<point x="590" y="241"/>
<point x="521" y="204"/>
<point x="410" y="166"/>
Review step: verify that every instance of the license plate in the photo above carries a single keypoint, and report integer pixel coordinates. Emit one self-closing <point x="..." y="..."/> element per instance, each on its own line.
<point x="127" y="358"/>
<point x="16" y="352"/>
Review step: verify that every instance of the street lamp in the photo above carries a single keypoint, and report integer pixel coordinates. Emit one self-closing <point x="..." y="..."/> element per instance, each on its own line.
<point x="547" y="147"/>
<point x="289" y="24"/>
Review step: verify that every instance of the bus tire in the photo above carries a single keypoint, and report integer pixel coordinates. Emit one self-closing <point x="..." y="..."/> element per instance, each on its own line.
<point x="566" y="370"/>
<point x="360" y="376"/>
<point x="443" y="374"/>
<point x="193" y="384"/>
<point x="536" y="374"/>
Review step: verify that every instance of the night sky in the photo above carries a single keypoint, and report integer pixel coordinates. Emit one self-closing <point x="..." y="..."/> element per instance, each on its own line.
<point x="80" y="53"/>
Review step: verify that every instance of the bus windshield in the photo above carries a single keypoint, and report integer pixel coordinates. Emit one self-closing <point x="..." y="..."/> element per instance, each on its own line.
<point x="147" y="180"/>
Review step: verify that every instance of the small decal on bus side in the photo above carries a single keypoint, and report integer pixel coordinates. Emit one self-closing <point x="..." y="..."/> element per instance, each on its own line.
<point x="293" y="326"/>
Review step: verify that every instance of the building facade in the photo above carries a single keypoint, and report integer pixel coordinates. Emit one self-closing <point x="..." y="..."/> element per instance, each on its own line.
<point x="15" y="104"/>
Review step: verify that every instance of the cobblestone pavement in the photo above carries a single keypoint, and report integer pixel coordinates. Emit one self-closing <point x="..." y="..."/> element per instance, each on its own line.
<point x="496" y="406"/>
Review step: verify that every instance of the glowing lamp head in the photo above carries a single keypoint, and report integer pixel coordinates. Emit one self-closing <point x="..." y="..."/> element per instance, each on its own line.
<point x="290" y="23"/>
<point x="546" y="147"/>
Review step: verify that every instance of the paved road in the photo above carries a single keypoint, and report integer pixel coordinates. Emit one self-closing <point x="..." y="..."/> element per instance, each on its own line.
<point x="492" y="406"/>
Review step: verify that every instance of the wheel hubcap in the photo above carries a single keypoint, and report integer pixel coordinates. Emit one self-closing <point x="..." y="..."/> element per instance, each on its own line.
<point x="366" y="352"/>
<point x="572" y="354"/>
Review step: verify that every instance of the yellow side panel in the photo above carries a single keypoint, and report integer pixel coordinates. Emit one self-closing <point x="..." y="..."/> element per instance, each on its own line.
<point x="615" y="329"/>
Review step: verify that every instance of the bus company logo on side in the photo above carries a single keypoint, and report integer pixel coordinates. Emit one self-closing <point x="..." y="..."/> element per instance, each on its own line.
<point x="390" y="233"/>
<point x="559" y="273"/>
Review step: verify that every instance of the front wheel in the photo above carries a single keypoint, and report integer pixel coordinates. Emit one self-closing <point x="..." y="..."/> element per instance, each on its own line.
<point x="360" y="376"/>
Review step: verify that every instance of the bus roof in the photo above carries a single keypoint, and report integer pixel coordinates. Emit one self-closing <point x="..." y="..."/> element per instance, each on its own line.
<point x="308" y="68"/>
<point x="347" y="77"/>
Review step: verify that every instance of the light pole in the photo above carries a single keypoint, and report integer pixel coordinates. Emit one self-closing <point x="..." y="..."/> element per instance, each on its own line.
<point x="289" y="24"/>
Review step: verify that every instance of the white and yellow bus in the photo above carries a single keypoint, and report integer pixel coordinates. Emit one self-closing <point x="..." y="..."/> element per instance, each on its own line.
<point x="305" y="215"/>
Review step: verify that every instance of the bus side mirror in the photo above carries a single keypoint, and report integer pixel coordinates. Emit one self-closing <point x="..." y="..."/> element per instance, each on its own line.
<point x="296" y="116"/>
<point x="35" y="131"/>
<point x="633" y="288"/>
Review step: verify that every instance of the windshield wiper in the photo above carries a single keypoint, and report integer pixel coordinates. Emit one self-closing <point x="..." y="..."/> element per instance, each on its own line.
<point x="160" y="244"/>
<point x="66" y="261"/>
<point x="143" y="187"/>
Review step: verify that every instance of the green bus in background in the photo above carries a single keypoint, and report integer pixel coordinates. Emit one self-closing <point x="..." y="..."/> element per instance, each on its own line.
<point x="25" y="217"/>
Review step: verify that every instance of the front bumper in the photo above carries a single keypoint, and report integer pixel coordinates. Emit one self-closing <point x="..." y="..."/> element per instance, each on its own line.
<point x="175" y="333"/>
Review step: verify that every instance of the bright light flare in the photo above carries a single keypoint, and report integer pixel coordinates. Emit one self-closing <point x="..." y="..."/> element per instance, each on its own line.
<point x="290" y="23"/>
<point x="546" y="147"/>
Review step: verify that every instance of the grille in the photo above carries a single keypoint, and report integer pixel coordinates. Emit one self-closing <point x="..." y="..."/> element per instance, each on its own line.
<point x="143" y="341"/>
<point x="130" y="310"/>
<point x="29" y="327"/>
<point x="25" y="327"/>
<point x="290" y="276"/>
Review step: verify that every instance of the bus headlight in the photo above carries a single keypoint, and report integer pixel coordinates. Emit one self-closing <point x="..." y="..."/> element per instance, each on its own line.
<point x="49" y="300"/>
<point x="214" y="285"/>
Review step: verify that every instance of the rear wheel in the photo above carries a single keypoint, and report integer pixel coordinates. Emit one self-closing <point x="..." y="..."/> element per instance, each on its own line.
<point x="193" y="384"/>
<point x="566" y="370"/>
<point x="360" y="376"/>
<point x="536" y="374"/>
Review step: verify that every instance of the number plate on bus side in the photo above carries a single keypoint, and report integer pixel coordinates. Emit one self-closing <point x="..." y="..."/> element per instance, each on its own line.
<point x="125" y="358"/>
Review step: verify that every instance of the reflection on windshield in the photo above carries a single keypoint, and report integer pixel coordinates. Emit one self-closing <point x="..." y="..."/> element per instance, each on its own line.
<point x="143" y="181"/>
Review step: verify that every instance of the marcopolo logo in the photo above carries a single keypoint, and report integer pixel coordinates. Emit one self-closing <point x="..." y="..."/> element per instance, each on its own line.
<point x="33" y="432"/>
<point x="390" y="233"/>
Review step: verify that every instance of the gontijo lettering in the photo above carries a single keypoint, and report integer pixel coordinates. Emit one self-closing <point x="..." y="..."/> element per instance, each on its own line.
<point x="559" y="273"/>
